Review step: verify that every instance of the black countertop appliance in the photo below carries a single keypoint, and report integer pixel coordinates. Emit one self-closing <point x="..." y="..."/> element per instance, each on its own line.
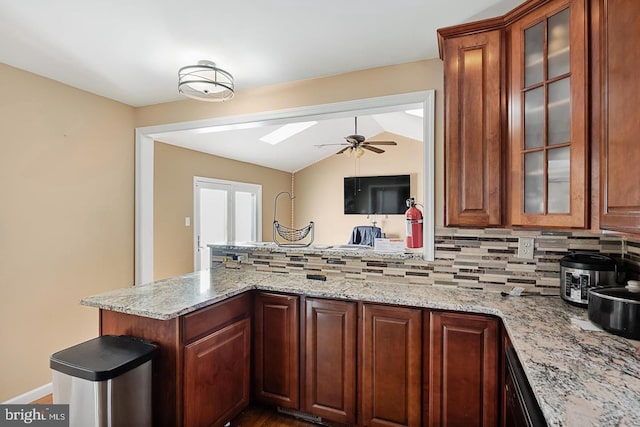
<point x="581" y="271"/>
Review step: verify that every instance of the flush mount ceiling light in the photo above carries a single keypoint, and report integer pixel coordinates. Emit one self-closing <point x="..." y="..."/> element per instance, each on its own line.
<point x="205" y="82"/>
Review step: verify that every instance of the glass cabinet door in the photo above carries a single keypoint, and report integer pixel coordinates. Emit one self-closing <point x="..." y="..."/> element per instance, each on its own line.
<point x="547" y="123"/>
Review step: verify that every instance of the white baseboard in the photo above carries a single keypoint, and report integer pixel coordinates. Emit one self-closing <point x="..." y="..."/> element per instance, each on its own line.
<point x="30" y="396"/>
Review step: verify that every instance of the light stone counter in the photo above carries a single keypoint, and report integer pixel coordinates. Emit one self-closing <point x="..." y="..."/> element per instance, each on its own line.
<point x="579" y="378"/>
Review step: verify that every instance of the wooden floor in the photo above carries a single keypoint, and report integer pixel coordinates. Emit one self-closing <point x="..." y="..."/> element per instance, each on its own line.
<point x="47" y="400"/>
<point x="250" y="417"/>
<point x="266" y="417"/>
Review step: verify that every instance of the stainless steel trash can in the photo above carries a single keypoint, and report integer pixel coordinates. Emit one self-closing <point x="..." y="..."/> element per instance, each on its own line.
<point x="106" y="381"/>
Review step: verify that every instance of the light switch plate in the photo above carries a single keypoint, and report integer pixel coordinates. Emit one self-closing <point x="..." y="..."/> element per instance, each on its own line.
<point x="525" y="247"/>
<point x="187" y="221"/>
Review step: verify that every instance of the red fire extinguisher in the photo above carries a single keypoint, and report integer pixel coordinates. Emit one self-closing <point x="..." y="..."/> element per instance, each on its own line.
<point x="414" y="225"/>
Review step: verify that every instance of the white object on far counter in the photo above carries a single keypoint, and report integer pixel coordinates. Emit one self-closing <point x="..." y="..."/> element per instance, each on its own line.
<point x="389" y="245"/>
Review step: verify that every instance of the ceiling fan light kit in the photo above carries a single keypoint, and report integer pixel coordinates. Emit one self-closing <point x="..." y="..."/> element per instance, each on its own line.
<point x="205" y="82"/>
<point x="359" y="151"/>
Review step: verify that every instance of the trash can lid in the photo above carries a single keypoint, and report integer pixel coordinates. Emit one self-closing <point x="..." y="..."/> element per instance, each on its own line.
<point x="104" y="357"/>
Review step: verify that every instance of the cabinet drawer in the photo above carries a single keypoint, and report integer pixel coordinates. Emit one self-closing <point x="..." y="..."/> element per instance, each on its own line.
<point x="210" y="318"/>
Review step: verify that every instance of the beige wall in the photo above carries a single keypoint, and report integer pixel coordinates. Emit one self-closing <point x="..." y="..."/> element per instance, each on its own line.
<point x="67" y="195"/>
<point x="174" y="169"/>
<point x="66" y="218"/>
<point x="390" y="80"/>
<point x="320" y="196"/>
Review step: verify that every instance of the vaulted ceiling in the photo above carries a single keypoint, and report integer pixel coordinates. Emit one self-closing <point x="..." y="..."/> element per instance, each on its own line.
<point x="131" y="50"/>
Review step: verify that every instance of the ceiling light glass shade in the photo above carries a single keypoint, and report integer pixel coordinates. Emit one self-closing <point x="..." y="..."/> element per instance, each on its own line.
<point x="205" y="82"/>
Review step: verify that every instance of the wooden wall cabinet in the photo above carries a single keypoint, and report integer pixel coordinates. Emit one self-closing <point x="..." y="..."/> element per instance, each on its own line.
<point x="276" y="349"/>
<point x="462" y="354"/>
<point x="474" y="122"/>
<point x="391" y="370"/>
<point x="616" y="66"/>
<point x="330" y="359"/>
<point x="516" y="128"/>
<point x="548" y="104"/>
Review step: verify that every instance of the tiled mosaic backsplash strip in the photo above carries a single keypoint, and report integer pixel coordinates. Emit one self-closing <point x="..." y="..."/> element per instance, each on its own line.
<point x="631" y="251"/>
<point x="469" y="258"/>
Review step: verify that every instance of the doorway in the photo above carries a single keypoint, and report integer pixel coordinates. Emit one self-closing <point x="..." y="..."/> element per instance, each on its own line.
<point x="224" y="211"/>
<point x="145" y="136"/>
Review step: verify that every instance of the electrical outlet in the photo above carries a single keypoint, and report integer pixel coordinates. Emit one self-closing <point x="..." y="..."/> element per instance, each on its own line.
<point x="525" y="247"/>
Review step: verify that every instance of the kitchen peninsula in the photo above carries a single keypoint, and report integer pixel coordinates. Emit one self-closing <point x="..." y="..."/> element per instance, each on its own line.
<point x="578" y="377"/>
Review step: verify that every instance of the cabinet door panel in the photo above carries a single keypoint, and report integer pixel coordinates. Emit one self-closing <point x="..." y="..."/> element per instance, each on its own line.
<point x="330" y="344"/>
<point x="276" y="350"/>
<point x="391" y="366"/>
<point x="548" y="116"/>
<point x="619" y="155"/>
<point x="463" y="371"/>
<point x="473" y="129"/>
<point x="217" y="375"/>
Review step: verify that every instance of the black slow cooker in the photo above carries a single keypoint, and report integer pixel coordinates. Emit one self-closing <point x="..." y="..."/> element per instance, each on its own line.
<point x="617" y="310"/>
<point x="581" y="271"/>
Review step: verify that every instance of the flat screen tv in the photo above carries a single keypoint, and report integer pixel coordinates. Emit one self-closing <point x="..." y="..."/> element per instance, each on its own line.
<point x="384" y="195"/>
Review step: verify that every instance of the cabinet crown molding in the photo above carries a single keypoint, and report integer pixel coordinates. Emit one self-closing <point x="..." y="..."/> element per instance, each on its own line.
<point x="497" y="23"/>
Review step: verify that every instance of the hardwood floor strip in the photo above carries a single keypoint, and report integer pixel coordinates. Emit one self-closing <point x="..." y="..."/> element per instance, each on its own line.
<point x="266" y="417"/>
<point x="46" y="400"/>
<point x="253" y="416"/>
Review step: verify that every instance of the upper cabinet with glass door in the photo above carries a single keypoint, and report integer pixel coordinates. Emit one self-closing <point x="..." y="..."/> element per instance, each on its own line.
<point x="548" y="109"/>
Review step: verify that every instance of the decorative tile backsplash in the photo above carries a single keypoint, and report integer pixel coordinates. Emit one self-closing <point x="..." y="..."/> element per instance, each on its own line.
<point x="468" y="258"/>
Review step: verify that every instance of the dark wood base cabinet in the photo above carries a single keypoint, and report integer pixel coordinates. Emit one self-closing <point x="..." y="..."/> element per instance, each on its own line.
<point x="276" y="338"/>
<point x="519" y="405"/>
<point x="201" y="376"/>
<point x="348" y="362"/>
<point x="217" y="376"/>
<point x="391" y="370"/>
<point x="330" y="360"/>
<point x="462" y="353"/>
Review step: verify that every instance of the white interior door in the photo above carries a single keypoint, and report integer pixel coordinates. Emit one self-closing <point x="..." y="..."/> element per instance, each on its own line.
<point x="211" y="216"/>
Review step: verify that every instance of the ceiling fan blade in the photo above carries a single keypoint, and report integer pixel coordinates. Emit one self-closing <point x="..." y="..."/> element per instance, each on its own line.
<point x="374" y="149"/>
<point x="326" y="145"/>
<point x="380" y="143"/>
<point x="343" y="150"/>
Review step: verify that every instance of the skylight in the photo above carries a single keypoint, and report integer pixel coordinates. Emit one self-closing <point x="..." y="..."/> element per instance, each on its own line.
<point x="286" y="131"/>
<point x="417" y="112"/>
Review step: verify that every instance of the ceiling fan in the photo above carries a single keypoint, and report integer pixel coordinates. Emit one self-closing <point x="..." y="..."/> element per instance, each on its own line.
<point x="357" y="143"/>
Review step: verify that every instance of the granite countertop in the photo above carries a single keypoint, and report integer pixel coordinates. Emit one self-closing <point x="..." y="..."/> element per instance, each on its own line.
<point x="580" y="378"/>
